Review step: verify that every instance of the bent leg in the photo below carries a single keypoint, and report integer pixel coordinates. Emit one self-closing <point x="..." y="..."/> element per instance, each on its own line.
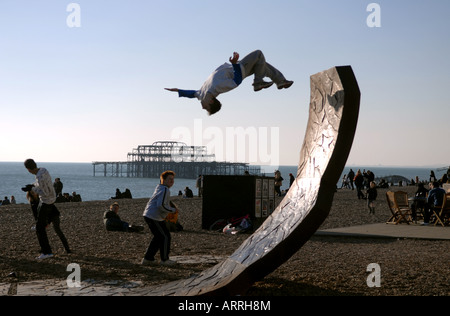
<point x="59" y="232"/>
<point x="255" y="64"/>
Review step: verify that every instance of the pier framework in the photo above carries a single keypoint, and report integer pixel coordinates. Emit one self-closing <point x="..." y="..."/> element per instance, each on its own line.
<point x="149" y="161"/>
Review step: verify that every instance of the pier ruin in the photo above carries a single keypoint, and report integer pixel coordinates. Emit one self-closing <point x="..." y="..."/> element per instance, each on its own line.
<point x="148" y="161"/>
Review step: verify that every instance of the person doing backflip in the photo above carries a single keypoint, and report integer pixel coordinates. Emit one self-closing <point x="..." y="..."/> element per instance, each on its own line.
<point x="228" y="77"/>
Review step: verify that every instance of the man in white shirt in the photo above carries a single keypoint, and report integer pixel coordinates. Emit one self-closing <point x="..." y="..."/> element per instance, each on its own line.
<point x="46" y="211"/>
<point x="227" y="77"/>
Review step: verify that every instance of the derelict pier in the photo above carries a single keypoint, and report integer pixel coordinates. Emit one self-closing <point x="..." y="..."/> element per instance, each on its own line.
<point x="149" y="161"/>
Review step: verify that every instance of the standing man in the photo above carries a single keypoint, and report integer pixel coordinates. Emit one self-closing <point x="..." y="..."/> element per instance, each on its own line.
<point x="58" y="186"/>
<point x="158" y="207"/>
<point x="351" y="177"/>
<point x="228" y="77"/>
<point x="46" y="210"/>
<point x="199" y="185"/>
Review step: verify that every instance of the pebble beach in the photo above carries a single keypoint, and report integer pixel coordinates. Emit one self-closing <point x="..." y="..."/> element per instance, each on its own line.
<point x="325" y="265"/>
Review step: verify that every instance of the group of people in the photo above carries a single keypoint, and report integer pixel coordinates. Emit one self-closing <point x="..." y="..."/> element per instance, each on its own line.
<point x="364" y="180"/>
<point x="188" y="194"/>
<point x="359" y="180"/>
<point x="122" y="195"/>
<point x="42" y="197"/>
<point x="7" y="201"/>
<point x="64" y="197"/>
<point x="427" y="200"/>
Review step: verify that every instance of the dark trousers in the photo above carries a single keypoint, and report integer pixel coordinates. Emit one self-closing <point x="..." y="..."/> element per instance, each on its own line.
<point x="161" y="240"/>
<point x="42" y="219"/>
<point x="46" y="214"/>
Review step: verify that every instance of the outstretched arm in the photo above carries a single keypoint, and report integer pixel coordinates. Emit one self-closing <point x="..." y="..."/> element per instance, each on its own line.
<point x="183" y="93"/>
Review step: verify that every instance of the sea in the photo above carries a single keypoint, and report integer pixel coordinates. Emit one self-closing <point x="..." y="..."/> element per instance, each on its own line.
<point x="79" y="178"/>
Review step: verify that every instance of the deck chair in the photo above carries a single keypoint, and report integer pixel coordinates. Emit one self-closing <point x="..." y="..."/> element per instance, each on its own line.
<point x="399" y="207"/>
<point x="442" y="214"/>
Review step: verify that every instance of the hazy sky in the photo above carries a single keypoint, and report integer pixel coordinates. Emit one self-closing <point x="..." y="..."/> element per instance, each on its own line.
<point x="94" y="91"/>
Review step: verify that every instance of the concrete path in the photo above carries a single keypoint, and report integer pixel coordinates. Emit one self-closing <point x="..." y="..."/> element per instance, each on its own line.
<point x="117" y="288"/>
<point x="414" y="231"/>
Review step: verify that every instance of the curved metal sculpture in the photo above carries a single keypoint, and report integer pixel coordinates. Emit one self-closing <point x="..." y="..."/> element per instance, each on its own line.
<point x="333" y="117"/>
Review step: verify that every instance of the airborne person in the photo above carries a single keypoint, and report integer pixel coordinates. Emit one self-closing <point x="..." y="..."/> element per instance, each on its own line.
<point x="228" y="77"/>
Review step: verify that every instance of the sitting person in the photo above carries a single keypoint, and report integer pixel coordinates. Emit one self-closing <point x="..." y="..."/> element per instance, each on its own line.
<point x="435" y="200"/>
<point x="127" y="194"/>
<point x="420" y="194"/>
<point x="118" y="195"/>
<point x="188" y="193"/>
<point x="5" y="201"/>
<point x="112" y="221"/>
<point x="76" y="197"/>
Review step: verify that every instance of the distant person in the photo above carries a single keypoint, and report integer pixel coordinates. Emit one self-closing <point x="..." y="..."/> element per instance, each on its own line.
<point x="199" y="185"/>
<point x="127" y="194"/>
<point x="291" y="179"/>
<point x="76" y="197"/>
<point x="432" y="176"/>
<point x="435" y="199"/>
<point x="67" y="197"/>
<point x="448" y="175"/>
<point x="58" y="186"/>
<point x="278" y="182"/>
<point x="359" y="184"/>
<point x="228" y="77"/>
<point x="112" y="221"/>
<point x="118" y="195"/>
<point x="46" y="210"/>
<point x="345" y="183"/>
<point x="188" y="193"/>
<point x="371" y="197"/>
<point x="6" y="201"/>
<point x="444" y="179"/>
<point x="155" y="213"/>
<point x="419" y="200"/>
<point x="13" y="200"/>
<point x="351" y="177"/>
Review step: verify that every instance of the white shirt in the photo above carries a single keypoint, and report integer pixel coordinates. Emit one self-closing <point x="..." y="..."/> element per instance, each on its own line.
<point x="44" y="187"/>
<point x="220" y="81"/>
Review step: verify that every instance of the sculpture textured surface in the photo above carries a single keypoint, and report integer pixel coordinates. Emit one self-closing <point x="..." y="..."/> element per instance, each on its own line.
<point x="333" y="116"/>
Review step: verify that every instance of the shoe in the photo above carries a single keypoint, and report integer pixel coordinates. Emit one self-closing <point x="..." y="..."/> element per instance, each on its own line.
<point x="146" y="262"/>
<point x="44" y="256"/>
<point x="285" y="84"/>
<point x="424" y="224"/>
<point x="167" y="262"/>
<point x="257" y="86"/>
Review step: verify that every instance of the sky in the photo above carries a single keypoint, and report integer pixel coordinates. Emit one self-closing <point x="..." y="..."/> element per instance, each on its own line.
<point x="84" y="81"/>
